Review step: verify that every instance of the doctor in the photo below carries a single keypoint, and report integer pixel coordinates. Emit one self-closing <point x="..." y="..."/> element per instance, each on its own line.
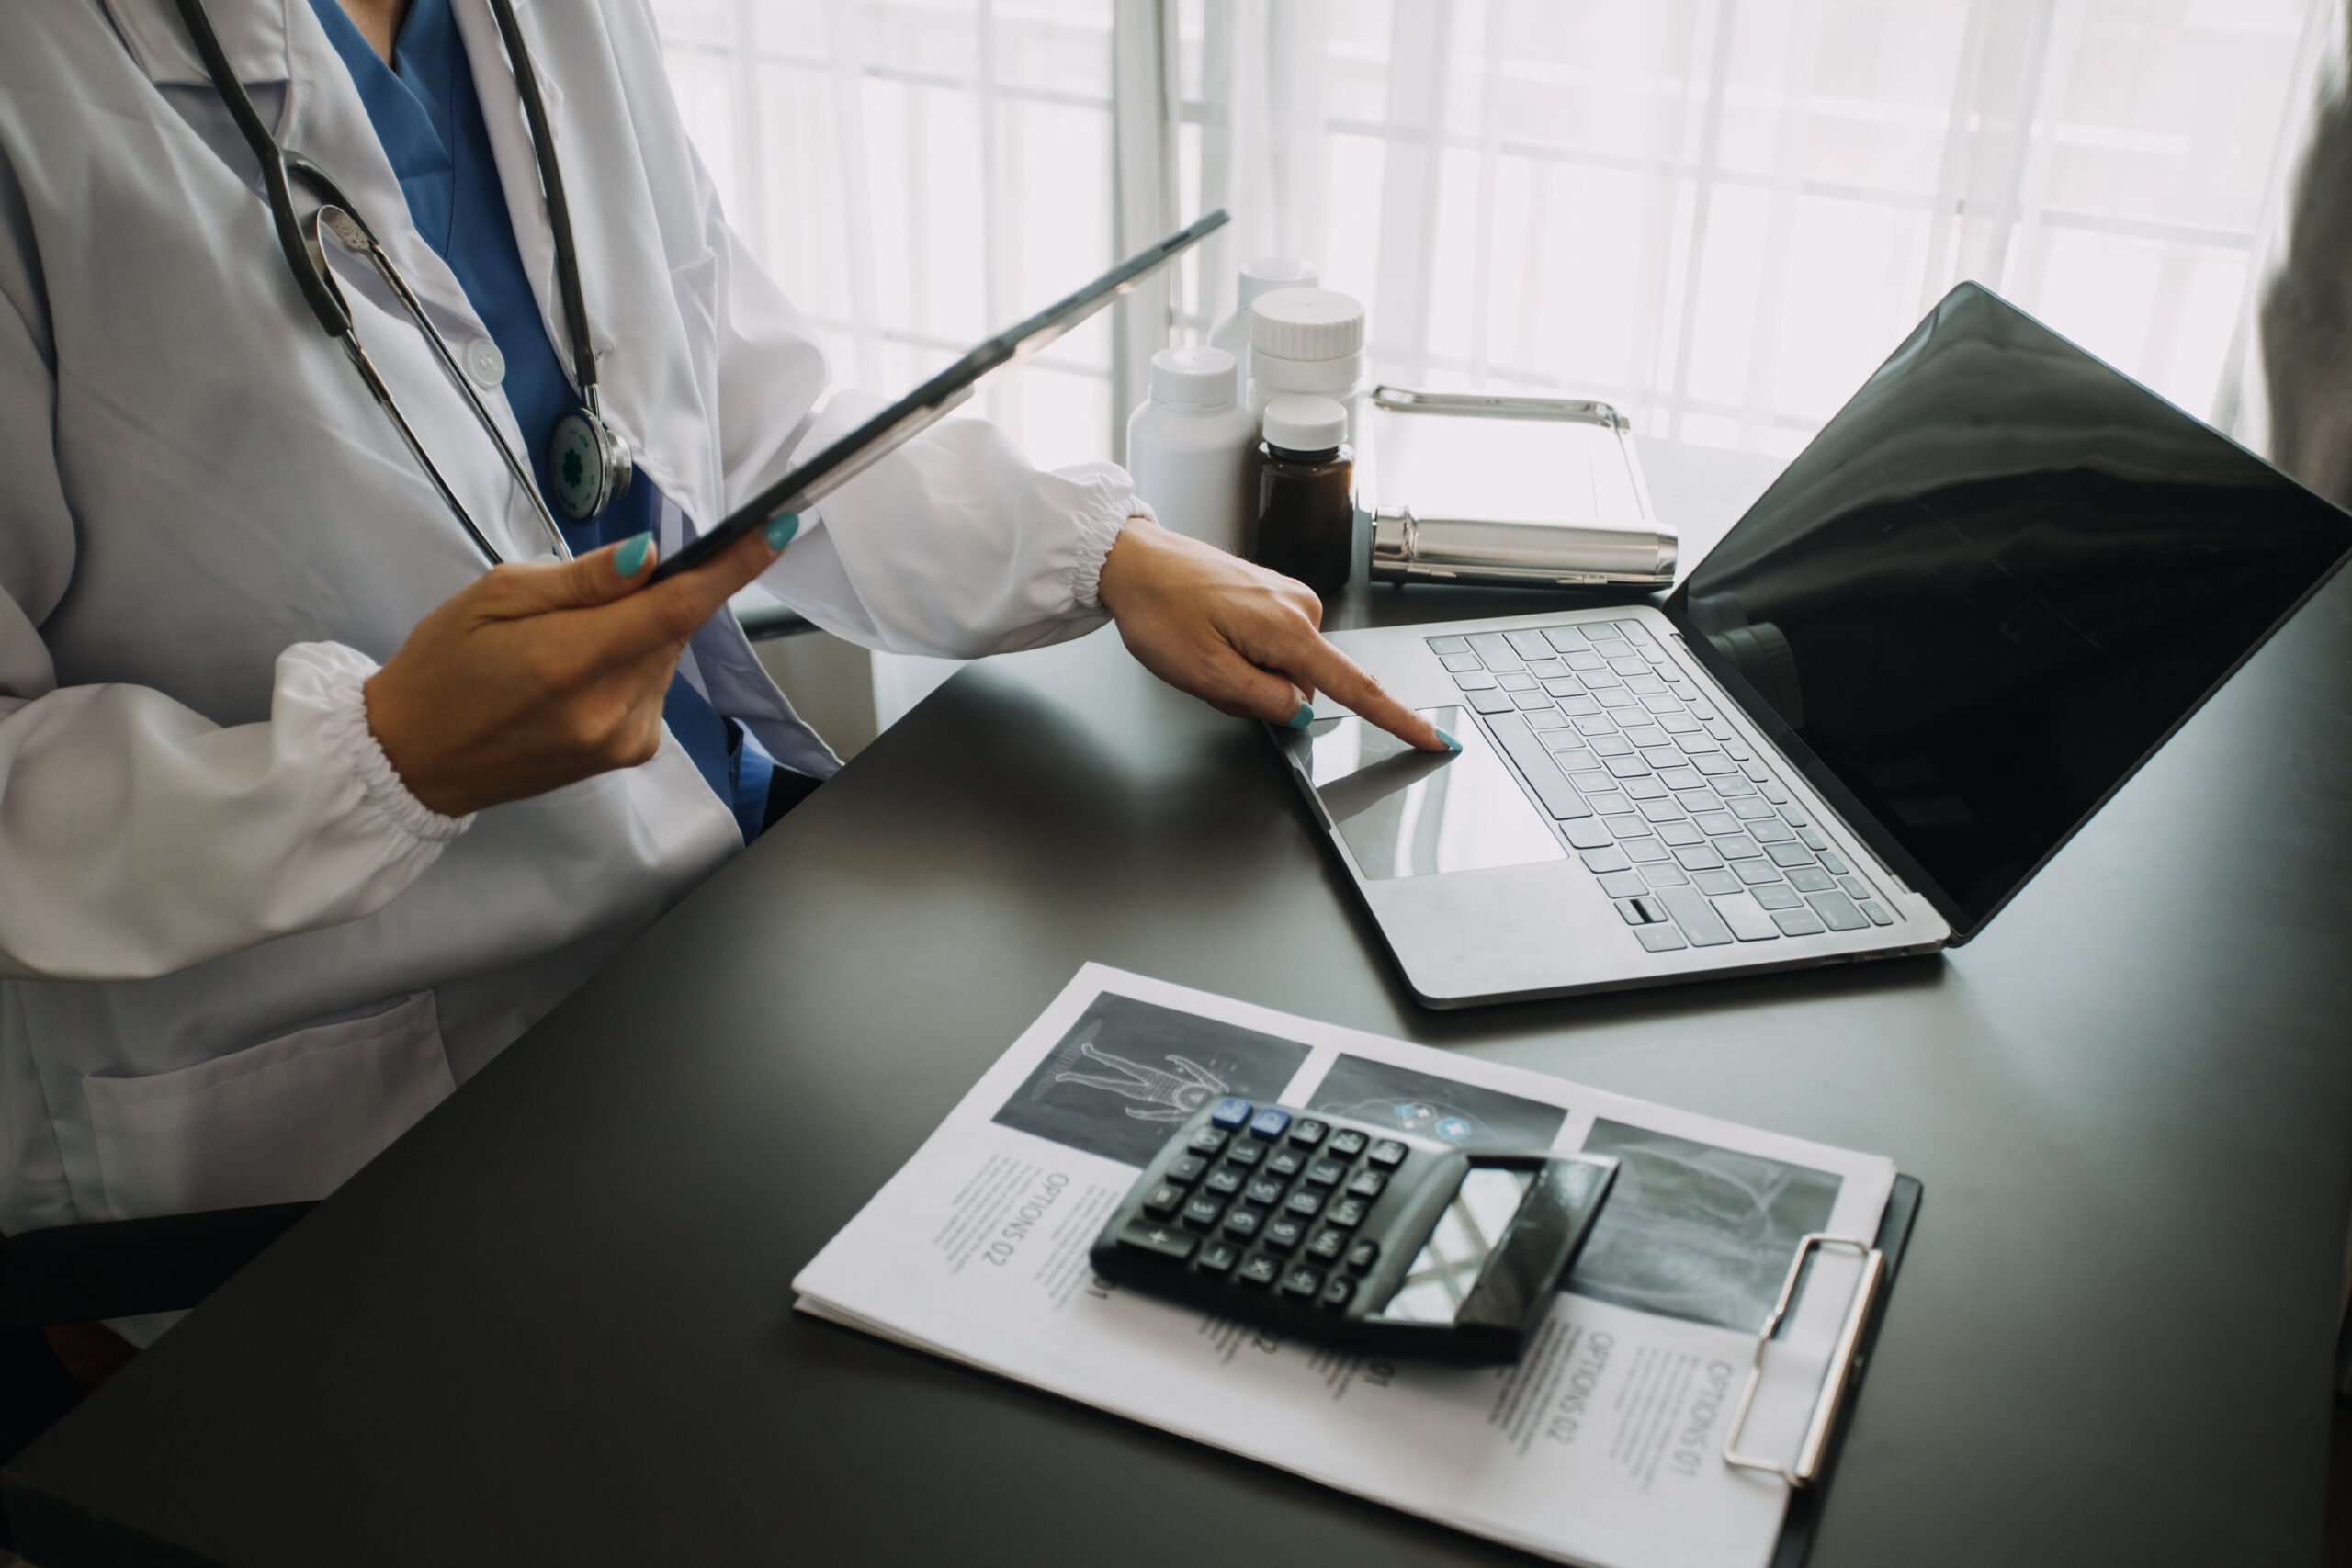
<point x="304" y="813"/>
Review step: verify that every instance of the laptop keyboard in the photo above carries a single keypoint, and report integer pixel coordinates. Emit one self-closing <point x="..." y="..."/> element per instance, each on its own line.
<point x="1692" y="836"/>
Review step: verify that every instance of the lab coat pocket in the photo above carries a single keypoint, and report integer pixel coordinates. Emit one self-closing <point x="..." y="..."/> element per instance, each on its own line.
<point x="276" y="1122"/>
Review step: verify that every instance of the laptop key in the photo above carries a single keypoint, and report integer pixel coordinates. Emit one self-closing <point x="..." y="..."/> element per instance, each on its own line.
<point x="1751" y="808"/>
<point x="1835" y="863"/>
<point x="1589" y="782"/>
<point x="1838" y="911"/>
<point x="1715" y="882"/>
<point x="1588" y="833"/>
<point x="1552" y="787"/>
<point x="1494" y="652"/>
<point x="1773" y="792"/>
<point x="1694" y="801"/>
<point x="1737" y="846"/>
<point x="1616" y="699"/>
<point x="1546" y="721"/>
<point x="1776" y="896"/>
<point x="1606" y="860"/>
<point x="1516" y="680"/>
<point x="1811" y="879"/>
<point x="1570" y="691"/>
<point x="1595" y="723"/>
<point x="1746" y="919"/>
<point x="1755" y="770"/>
<point x="1660" y="939"/>
<point x="1878" y="917"/>
<point x="1681" y="835"/>
<point x="1796" y="922"/>
<point x="1643" y="851"/>
<point x="1474" y="681"/>
<point x="1659" y="756"/>
<point x="1698" y="857"/>
<point x="1491" y="702"/>
<point x="1548" y="670"/>
<point x="1610" y="745"/>
<point x="1771" y="830"/>
<point x="1645" y="789"/>
<point x="1627" y="767"/>
<point x="1567" y="639"/>
<point x="1659" y="808"/>
<point x="1793" y="816"/>
<point x="1719" y="730"/>
<point x="1714" y="765"/>
<point x="1678" y="724"/>
<point x="1449" y="645"/>
<point x="1533" y="701"/>
<point x="1607" y="802"/>
<point x="1755" y="873"/>
<point x="1696" y="918"/>
<point x="1582" y="659"/>
<point x="1645" y="685"/>
<point x="1637" y="912"/>
<point x="1696" y="743"/>
<point x="1665" y="707"/>
<point x="1459" y="662"/>
<point x="1789" y="854"/>
<point x="1528" y="644"/>
<point x="1666" y="874"/>
<point x="1680" y="779"/>
<point x="1854" y="888"/>
<point x="1732" y="787"/>
<point x="1625" y="885"/>
<point x="1628" y="827"/>
<point x="1812" y="839"/>
<point x="1718" y="822"/>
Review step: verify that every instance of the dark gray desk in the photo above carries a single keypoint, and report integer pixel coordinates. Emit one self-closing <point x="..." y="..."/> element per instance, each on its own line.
<point x="552" y="1325"/>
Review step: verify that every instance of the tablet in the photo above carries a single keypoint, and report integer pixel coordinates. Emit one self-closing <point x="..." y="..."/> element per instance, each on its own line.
<point x="898" y="424"/>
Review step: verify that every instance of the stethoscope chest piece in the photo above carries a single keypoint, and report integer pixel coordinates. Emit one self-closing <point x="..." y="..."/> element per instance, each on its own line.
<point x="589" y="464"/>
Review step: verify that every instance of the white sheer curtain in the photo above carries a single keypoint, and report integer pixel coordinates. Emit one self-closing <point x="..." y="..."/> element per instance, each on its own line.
<point x="1719" y="214"/>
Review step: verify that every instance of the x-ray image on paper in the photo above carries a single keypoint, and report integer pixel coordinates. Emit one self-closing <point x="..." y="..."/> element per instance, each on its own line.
<point x="1696" y="1232"/>
<point x="1127" y="1072"/>
<point x="1459" y="1113"/>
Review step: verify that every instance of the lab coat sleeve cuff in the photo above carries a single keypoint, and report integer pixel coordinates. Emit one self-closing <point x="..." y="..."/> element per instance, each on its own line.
<point x="343" y="675"/>
<point x="1097" y="533"/>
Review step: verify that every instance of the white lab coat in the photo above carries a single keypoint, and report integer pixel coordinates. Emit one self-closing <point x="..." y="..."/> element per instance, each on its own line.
<point x="236" y="957"/>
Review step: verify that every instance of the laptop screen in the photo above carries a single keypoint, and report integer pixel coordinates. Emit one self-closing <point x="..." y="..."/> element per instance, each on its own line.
<point x="1990" y="587"/>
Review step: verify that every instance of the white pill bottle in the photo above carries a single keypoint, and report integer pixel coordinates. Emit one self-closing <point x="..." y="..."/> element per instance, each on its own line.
<point x="1193" y="449"/>
<point x="1260" y="277"/>
<point x="1307" y="343"/>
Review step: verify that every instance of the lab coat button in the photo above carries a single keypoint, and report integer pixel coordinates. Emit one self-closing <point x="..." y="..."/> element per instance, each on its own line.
<point x="485" y="363"/>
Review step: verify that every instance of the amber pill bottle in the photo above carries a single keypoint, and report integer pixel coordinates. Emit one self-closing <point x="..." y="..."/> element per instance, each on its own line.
<point x="1307" y="509"/>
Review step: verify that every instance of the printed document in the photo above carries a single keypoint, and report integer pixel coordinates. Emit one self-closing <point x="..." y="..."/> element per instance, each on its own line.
<point x="1602" y="1445"/>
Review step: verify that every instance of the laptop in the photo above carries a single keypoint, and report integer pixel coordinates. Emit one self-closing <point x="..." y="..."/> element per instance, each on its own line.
<point x="1983" y="596"/>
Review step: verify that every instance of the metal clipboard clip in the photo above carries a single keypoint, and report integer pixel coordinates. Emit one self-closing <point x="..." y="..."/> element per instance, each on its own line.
<point x="1834" y="1382"/>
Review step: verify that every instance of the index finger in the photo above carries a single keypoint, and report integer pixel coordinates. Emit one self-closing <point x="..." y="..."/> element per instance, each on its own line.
<point x="674" y="608"/>
<point x="1324" y="667"/>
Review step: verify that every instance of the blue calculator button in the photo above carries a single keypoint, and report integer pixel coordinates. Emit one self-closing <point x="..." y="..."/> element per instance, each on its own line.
<point x="1232" y="1112"/>
<point x="1269" y="1122"/>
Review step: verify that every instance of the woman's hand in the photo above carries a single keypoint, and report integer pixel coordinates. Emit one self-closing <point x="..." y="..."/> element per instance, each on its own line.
<point x="1241" y="638"/>
<point x="537" y="675"/>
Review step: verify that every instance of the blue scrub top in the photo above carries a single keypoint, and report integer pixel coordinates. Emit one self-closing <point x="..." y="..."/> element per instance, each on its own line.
<point x="429" y="119"/>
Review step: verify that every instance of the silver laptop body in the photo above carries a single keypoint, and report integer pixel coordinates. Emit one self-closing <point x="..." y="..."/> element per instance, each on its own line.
<point x="1969" y="610"/>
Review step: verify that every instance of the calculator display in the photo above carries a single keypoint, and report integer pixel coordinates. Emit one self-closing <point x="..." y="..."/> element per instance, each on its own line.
<point x="1446" y="1268"/>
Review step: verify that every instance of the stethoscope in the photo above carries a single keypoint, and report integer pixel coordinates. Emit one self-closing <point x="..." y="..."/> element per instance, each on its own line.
<point x="589" y="463"/>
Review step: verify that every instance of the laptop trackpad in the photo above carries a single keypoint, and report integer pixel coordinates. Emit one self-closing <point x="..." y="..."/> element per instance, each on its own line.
<point x="1410" y="813"/>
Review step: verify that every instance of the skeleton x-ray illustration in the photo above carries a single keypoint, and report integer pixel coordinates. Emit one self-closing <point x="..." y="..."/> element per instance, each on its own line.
<point x="1458" y="1113"/>
<point x="1128" y="1071"/>
<point x="1696" y="1232"/>
<point x="1168" y="1094"/>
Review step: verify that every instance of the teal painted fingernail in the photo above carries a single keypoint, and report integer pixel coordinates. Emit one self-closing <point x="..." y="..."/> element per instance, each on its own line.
<point x="782" y="529"/>
<point x="630" y="559"/>
<point x="1302" y="718"/>
<point x="1450" y="743"/>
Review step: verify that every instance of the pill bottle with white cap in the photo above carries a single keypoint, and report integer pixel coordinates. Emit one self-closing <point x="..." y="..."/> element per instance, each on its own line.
<point x="1260" y="277"/>
<point x="1193" y="450"/>
<point x="1307" y="342"/>
<point x="1307" y="509"/>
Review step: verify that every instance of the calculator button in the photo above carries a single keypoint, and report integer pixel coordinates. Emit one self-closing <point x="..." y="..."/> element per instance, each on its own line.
<point x="1307" y="1133"/>
<point x="1363" y="1255"/>
<point x="1224" y="1179"/>
<point x="1302" y="1281"/>
<point x="1242" y="1224"/>
<point x="1367" y="1184"/>
<point x="1326" y="1172"/>
<point x="1283" y="1233"/>
<point x="1164" y="1241"/>
<point x="1186" y="1169"/>
<point x="1337" y="1293"/>
<point x="1164" y="1199"/>
<point x="1305" y="1202"/>
<point x="1219" y="1256"/>
<point x="1348" y="1143"/>
<point x="1246" y="1152"/>
<point x="1231" y="1112"/>
<point x="1347" y="1211"/>
<point x="1284" y="1162"/>
<point x="1203" y="1211"/>
<point x="1266" y="1189"/>
<point x="1387" y="1153"/>
<point x="1260" y="1270"/>
<point x="1328" y="1245"/>
<point x="1269" y="1122"/>
<point x="1207" y="1140"/>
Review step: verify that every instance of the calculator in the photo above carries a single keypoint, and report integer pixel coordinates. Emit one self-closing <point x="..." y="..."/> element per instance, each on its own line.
<point x="1353" y="1233"/>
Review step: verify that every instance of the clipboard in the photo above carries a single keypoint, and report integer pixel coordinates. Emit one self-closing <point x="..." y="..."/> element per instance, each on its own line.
<point x="1825" y="1435"/>
<point x="893" y="427"/>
